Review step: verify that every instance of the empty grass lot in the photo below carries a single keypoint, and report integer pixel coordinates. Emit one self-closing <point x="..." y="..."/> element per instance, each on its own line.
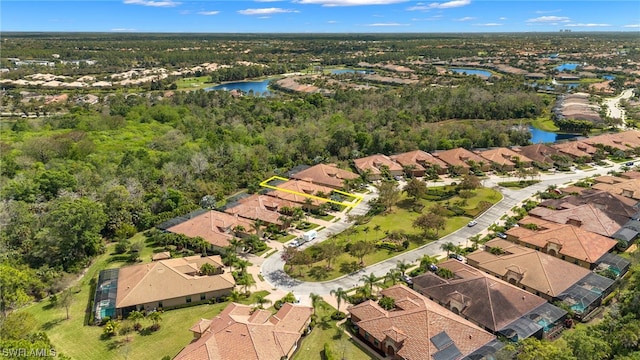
<point x="399" y="219"/>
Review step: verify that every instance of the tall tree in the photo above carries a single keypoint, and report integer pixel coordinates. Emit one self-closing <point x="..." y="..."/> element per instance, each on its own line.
<point x="360" y="249"/>
<point x="403" y="267"/>
<point x="369" y="281"/>
<point x="340" y="295"/>
<point x="393" y="275"/>
<point x="329" y="250"/>
<point x="415" y="188"/>
<point x="388" y="194"/>
<point x="427" y="222"/>
<point x="66" y="299"/>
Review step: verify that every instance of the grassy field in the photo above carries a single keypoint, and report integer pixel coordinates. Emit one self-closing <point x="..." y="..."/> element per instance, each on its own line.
<point x="79" y="341"/>
<point x="544" y="123"/>
<point x="326" y="331"/>
<point x="194" y="83"/>
<point x="400" y="219"/>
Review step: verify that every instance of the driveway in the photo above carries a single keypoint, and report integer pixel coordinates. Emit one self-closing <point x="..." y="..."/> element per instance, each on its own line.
<point x="273" y="267"/>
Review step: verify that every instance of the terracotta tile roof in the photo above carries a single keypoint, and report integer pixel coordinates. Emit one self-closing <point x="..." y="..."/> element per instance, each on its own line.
<point x="538" y="271"/>
<point x="627" y="188"/>
<point x="260" y="207"/>
<point x="213" y="226"/>
<point x="608" y="179"/>
<point x="576" y="148"/>
<point x="301" y="187"/>
<point x="420" y="325"/>
<point x="587" y="217"/>
<point x="575" y="242"/>
<point x="617" y="207"/>
<point x="417" y="158"/>
<point x="374" y="162"/>
<point x="538" y="152"/>
<point x="459" y="157"/>
<point x="503" y="156"/>
<point x="161" y="256"/>
<point x="327" y="175"/>
<point x="624" y="141"/>
<point x="571" y="189"/>
<point x="237" y="333"/>
<point x="485" y="299"/>
<point x="201" y="326"/>
<point x="630" y="175"/>
<point x="168" y="279"/>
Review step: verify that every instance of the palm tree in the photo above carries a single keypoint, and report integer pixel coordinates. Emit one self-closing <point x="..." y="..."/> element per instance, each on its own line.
<point x="155" y="319"/>
<point x="448" y="247"/>
<point x="475" y="239"/>
<point x="340" y="295"/>
<point x="426" y="261"/>
<point x="393" y="275"/>
<point x="365" y="230"/>
<point x="403" y="267"/>
<point x="235" y="296"/>
<point x="242" y="265"/>
<point x="261" y="300"/>
<point x="369" y="280"/>
<point x="316" y="301"/>
<point x="257" y="226"/>
<point x="377" y="228"/>
<point x="135" y="316"/>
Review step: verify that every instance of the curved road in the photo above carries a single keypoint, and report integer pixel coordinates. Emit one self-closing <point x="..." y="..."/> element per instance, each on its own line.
<point x="614" y="110"/>
<point x="272" y="267"/>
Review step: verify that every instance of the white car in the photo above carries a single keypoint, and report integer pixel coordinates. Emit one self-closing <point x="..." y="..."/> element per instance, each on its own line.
<point x="472" y="223"/>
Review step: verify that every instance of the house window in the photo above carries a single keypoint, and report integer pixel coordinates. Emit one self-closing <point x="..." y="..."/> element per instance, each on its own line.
<point x="188" y="299"/>
<point x="159" y="304"/>
<point x="203" y="297"/>
<point x="366" y="335"/>
<point x="376" y="343"/>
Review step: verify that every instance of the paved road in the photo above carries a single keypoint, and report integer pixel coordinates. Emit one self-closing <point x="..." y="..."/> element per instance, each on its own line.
<point x="272" y="267"/>
<point x="613" y="106"/>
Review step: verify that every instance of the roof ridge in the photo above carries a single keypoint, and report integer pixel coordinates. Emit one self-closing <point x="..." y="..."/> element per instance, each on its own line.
<point x="253" y="343"/>
<point x="493" y="313"/>
<point x="153" y="265"/>
<point x="544" y="271"/>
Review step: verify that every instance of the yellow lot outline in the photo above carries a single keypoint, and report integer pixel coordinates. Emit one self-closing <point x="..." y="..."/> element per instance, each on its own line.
<point x="358" y="198"/>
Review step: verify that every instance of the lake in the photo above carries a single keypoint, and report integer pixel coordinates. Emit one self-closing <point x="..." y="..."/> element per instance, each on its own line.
<point x="483" y="73"/>
<point x="567" y="67"/>
<point x="540" y="136"/>
<point x="258" y="87"/>
<point x="608" y="77"/>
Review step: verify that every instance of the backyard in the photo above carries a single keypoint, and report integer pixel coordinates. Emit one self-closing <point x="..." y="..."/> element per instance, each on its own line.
<point x="398" y="223"/>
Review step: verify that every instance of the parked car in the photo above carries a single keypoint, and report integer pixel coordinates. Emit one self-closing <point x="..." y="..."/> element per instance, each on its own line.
<point x="406" y="279"/>
<point x="398" y="177"/>
<point x="630" y="163"/>
<point x="295" y="243"/>
<point x="472" y="223"/>
<point x="456" y="256"/>
<point x="433" y="267"/>
<point x="501" y="235"/>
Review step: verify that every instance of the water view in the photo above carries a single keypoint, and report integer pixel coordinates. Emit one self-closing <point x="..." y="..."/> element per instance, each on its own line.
<point x="540" y="136"/>
<point x="350" y="71"/>
<point x="257" y="87"/>
<point x="483" y="73"/>
<point x="567" y="67"/>
<point x="608" y="77"/>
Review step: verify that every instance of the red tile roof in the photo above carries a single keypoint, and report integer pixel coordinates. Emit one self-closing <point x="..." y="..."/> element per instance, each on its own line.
<point x="213" y="226"/>
<point x="459" y="157"/>
<point x="417" y="158"/>
<point x="327" y="175"/>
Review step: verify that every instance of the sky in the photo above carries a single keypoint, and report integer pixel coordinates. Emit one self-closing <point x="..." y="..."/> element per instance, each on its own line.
<point x="319" y="16"/>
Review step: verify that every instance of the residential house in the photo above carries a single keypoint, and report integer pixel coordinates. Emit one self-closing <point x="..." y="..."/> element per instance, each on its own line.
<point x="417" y="162"/>
<point x="298" y="192"/>
<point x="540" y="154"/>
<point x="576" y="149"/>
<point x="260" y="207"/>
<point x="325" y="175"/>
<point x="491" y="303"/>
<point x="215" y="227"/>
<point x="565" y="241"/>
<point x="544" y="275"/>
<point x="608" y="179"/>
<point x="372" y="166"/>
<point x="462" y="159"/>
<point x="418" y="328"/>
<point x="505" y="159"/>
<point x="631" y="174"/>
<point x="242" y="332"/>
<point x="587" y="217"/>
<point x="617" y="207"/>
<point x="625" y="141"/>
<point x="162" y="284"/>
<point x="627" y="188"/>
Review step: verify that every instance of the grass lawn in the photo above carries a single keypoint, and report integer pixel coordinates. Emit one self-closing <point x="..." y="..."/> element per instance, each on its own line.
<point x="284" y="239"/>
<point x="521" y="184"/>
<point x="194" y="83"/>
<point x="400" y="219"/>
<point x="79" y="341"/>
<point x="326" y="331"/>
<point x="327" y="217"/>
<point x="544" y="123"/>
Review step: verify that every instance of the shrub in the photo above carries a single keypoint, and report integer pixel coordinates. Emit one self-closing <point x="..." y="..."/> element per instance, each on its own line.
<point x="328" y="354"/>
<point x="122" y="246"/>
<point x="338" y="315"/>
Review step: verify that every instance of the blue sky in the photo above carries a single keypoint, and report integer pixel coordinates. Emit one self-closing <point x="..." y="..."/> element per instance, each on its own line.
<point x="321" y="16"/>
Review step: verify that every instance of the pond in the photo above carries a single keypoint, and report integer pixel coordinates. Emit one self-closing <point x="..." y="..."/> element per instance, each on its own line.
<point x="483" y="73"/>
<point x="567" y="67"/>
<point x="540" y="136"/>
<point x="608" y="77"/>
<point x="258" y="87"/>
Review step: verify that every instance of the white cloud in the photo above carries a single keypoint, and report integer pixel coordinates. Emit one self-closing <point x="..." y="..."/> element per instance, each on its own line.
<point x="266" y="11"/>
<point x="162" y="3"/>
<point x="349" y="2"/>
<point x="488" y="24"/>
<point x="264" y="17"/>
<point x="547" y="11"/>
<point x="122" y="29"/>
<point x="549" y="19"/>
<point x="632" y="26"/>
<point x="435" y="5"/>
<point x="386" y="24"/>
<point x="332" y="22"/>
<point x="588" y="25"/>
<point x="502" y="18"/>
<point x="209" y="13"/>
<point x="466" y="18"/>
